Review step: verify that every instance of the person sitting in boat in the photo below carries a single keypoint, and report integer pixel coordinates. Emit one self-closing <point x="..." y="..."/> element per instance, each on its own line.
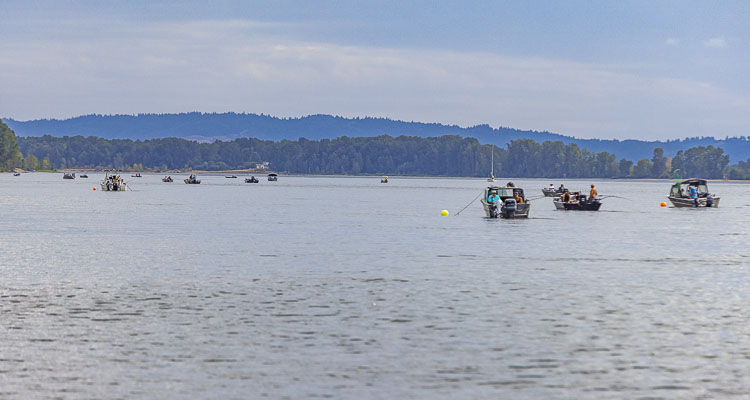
<point x="565" y="196"/>
<point x="561" y="189"/>
<point x="693" y="192"/>
<point x="593" y="193"/>
<point x="551" y="187"/>
<point x="518" y="198"/>
<point x="493" y="197"/>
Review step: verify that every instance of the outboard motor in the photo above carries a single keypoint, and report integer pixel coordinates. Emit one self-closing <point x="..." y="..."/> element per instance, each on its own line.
<point x="493" y="210"/>
<point x="709" y="201"/>
<point x="509" y="208"/>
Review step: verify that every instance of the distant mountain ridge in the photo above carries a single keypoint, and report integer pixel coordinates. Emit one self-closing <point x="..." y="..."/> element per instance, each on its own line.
<point x="228" y="126"/>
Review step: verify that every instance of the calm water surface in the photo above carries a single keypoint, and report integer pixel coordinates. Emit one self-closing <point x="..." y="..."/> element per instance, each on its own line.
<point x="332" y="287"/>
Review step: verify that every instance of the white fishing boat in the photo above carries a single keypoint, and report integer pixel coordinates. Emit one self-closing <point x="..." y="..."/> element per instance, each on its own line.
<point x="505" y="202"/>
<point x="113" y="182"/>
<point x="692" y="193"/>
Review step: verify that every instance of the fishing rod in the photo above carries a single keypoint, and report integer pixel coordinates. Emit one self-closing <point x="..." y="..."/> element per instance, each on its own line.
<point x="536" y="198"/>
<point x="475" y="199"/>
<point x="617" y="197"/>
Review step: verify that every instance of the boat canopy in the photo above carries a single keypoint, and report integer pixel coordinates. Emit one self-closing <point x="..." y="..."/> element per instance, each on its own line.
<point x="273" y="174"/>
<point x="682" y="189"/>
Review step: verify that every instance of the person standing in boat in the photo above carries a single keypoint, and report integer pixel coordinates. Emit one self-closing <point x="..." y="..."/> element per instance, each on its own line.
<point x="561" y="189"/>
<point x="593" y="193"/>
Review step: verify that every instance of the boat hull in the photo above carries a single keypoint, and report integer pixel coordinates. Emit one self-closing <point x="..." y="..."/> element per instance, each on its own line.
<point x="682" y="202"/>
<point x="578" y="206"/>
<point x="550" y="193"/>
<point x="496" y="210"/>
<point x="114" y="188"/>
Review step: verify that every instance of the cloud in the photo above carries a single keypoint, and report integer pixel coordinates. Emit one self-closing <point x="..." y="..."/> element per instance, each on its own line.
<point x="218" y="66"/>
<point x="717" y="42"/>
<point x="672" y="42"/>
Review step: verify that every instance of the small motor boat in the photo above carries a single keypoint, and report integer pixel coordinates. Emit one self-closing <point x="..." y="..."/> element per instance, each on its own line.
<point x="251" y="179"/>
<point x="578" y="202"/>
<point x="273" y="177"/>
<point x="505" y="204"/>
<point x="69" y="176"/>
<point x="167" y="179"/>
<point x="191" y="180"/>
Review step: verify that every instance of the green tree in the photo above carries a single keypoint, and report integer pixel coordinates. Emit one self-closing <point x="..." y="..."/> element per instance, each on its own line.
<point x="625" y="168"/>
<point x="8" y="147"/>
<point x="46" y="164"/>
<point x="31" y="162"/>
<point x="659" y="164"/>
<point x="642" y="169"/>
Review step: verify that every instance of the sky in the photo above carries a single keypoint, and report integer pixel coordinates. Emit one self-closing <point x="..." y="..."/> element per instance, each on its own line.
<point x="590" y="69"/>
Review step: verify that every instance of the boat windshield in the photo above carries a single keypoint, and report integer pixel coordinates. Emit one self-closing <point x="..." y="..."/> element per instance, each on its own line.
<point x="503" y="192"/>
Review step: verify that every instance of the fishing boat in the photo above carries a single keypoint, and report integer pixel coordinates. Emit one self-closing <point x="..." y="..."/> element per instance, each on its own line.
<point x="577" y="202"/>
<point x="230" y="176"/>
<point x="113" y="183"/>
<point x="384" y="179"/>
<point x="16" y="174"/>
<point x="69" y="176"/>
<point x="492" y="166"/>
<point x="167" y="179"/>
<point x="506" y="206"/>
<point x="137" y="175"/>
<point x="192" y="180"/>
<point x="552" y="192"/>
<point x="692" y="193"/>
<point x="251" y="179"/>
<point x="273" y="177"/>
<point x="83" y="176"/>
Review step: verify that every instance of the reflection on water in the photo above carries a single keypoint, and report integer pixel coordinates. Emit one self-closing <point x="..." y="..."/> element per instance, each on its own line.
<point x="346" y="288"/>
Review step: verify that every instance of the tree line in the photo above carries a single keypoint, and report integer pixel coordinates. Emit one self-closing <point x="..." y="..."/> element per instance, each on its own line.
<point x="449" y="155"/>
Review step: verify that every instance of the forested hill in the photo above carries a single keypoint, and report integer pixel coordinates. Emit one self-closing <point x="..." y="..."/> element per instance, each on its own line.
<point x="229" y="126"/>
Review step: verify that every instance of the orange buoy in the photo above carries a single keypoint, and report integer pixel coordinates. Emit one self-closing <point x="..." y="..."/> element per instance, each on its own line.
<point x="94" y="188"/>
<point x="663" y="204"/>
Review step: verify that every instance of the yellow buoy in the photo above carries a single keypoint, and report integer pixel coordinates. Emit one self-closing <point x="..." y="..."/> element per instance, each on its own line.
<point x="444" y="213"/>
<point x="663" y="204"/>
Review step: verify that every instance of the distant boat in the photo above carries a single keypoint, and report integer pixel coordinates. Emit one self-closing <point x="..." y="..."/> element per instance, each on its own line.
<point x="251" y="179"/>
<point x="384" y="179"/>
<point x="191" y="180"/>
<point x="231" y="176"/>
<point x="167" y="179"/>
<point x="273" y="177"/>
<point x="137" y="175"/>
<point x="69" y="176"/>
<point x="83" y="176"/>
<point x="16" y="174"/>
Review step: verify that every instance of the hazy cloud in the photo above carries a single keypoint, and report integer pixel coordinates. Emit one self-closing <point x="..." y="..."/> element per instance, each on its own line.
<point x="672" y="41"/>
<point x="717" y="42"/>
<point x="218" y="66"/>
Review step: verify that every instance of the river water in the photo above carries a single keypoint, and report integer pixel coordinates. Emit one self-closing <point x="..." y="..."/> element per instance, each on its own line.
<point x="341" y="287"/>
